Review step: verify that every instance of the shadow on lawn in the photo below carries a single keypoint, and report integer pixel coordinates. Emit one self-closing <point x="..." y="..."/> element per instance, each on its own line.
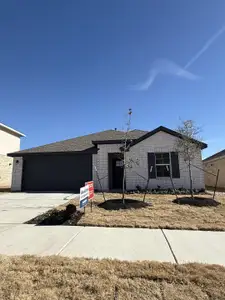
<point x="197" y="201"/>
<point x="116" y="204"/>
<point x="68" y="216"/>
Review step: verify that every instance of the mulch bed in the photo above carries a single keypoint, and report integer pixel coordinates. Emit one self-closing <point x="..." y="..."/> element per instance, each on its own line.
<point x="116" y="204"/>
<point x="197" y="201"/>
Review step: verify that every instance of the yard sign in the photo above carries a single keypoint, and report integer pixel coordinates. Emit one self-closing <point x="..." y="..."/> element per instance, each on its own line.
<point x="84" y="194"/>
<point x="90" y="185"/>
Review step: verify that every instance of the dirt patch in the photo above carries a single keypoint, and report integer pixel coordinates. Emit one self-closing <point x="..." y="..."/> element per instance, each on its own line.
<point x="55" y="277"/>
<point x="116" y="204"/>
<point x="197" y="201"/>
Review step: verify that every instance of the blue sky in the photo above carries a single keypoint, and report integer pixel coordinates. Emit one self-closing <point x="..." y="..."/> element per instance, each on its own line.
<point x="69" y="68"/>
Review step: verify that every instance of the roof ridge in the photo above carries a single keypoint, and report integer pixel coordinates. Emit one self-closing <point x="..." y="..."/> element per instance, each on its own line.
<point x="78" y="143"/>
<point x="70" y="139"/>
<point x="139" y="130"/>
<point x="86" y="143"/>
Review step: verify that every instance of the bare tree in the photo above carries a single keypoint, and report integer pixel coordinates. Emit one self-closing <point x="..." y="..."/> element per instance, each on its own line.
<point x="124" y="150"/>
<point x="188" y="145"/>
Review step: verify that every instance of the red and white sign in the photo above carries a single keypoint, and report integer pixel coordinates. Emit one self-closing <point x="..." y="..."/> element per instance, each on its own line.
<point x="91" y="189"/>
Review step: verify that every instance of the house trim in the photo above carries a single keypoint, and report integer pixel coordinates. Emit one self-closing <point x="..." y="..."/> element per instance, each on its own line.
<point x="11" y="130"/>
<point x="93" y="150"/>
<point x="166" y="130"/>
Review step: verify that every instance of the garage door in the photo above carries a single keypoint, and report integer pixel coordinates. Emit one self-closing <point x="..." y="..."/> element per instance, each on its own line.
<point x="56" y="172"/>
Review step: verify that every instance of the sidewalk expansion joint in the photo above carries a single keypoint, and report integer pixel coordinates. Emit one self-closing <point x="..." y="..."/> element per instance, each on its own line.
<point x="171" y="249"/>
<point x="70" y="240"/>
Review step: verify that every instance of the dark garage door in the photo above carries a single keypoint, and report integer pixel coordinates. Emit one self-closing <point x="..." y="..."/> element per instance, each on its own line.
<point x="56" y="172"/>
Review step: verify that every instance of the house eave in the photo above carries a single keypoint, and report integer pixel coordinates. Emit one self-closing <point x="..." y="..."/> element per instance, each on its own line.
<point x="11" y="130"/>
<point x="21" y="154"/>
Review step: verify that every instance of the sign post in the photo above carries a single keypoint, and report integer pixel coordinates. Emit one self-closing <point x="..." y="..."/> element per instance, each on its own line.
<point x="90" y="185"/>
<point x="84" y="194"/>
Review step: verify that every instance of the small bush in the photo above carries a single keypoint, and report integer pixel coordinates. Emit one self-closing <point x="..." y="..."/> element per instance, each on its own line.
<point x="139" y="188"/>
<point x="70" y="209"/>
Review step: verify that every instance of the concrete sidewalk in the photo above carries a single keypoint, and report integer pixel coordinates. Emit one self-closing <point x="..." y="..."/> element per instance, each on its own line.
<point x="197" y="246"/>
<point x="120" y="243"/>
<point x="117" y="243"/>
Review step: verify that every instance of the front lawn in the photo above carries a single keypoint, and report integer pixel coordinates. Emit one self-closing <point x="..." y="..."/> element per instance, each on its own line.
<point x="162" y="213"/>
<point x="56" y="278"/>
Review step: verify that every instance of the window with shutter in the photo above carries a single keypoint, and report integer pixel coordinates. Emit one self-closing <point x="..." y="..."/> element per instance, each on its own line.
<point x="162" y="164"/>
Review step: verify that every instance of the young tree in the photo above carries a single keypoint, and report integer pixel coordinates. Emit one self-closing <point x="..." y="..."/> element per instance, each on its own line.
<point x="189" y="145"/>
<point x="124" y="150"/>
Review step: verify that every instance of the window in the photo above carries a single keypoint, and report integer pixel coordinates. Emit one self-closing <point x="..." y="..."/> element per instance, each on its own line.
<point x="162" y="162"/>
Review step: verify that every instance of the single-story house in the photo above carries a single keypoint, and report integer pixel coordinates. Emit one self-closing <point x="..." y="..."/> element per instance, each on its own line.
<point x="212" y="164"/>
<point x="9" y="141"/>
<point x="66" y="165"/>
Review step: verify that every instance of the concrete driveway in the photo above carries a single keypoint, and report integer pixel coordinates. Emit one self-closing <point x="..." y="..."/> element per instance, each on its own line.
<point x="17" y="208"/>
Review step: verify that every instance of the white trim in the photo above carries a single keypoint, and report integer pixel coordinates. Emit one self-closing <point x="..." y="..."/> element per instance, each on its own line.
<point x="13" y="131"/>
<point x="169" y="164"/>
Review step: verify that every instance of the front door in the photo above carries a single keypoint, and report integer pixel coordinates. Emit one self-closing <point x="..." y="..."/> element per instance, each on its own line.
<point x="115" y="171"/>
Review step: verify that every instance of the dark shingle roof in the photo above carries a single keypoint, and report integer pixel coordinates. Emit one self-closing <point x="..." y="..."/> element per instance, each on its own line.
<point x="82" y="143"/>
<point x="216" y="155"/>
<point x="87" y="143"/>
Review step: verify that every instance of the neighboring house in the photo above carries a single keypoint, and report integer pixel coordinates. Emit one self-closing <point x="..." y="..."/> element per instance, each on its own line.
<point x="9" y="141"/>
<point x="212" y="164"/>
<point x="66" y="165"/>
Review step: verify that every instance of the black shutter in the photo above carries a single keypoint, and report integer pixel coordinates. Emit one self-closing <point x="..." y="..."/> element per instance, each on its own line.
<point x="151" y="165"/>
<point x="175" y="165"/>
